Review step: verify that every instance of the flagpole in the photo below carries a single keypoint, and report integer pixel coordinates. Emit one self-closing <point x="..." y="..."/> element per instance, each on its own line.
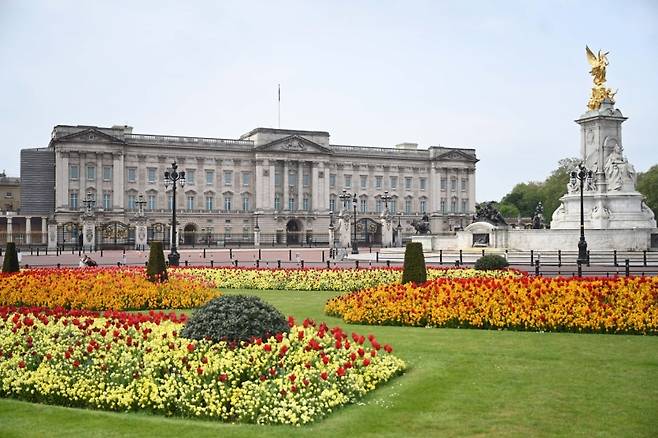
<point x="279" y="106"/>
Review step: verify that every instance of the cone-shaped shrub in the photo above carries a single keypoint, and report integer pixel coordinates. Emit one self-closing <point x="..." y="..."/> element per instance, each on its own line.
<point x="10" y="264"/>
<point x="490" y="261"/>
<point x="235" y="318"/>
<point x="156" y="269"/>
<point x="414" y="264"/>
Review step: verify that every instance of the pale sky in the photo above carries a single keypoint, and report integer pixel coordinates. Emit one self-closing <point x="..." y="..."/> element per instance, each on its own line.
<point x="504" y="77"/>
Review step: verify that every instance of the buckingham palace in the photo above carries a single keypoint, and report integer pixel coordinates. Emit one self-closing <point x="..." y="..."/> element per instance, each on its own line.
<point x="286" y="183"/>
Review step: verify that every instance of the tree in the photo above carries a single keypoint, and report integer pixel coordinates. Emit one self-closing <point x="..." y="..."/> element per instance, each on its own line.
<point x="525" y="196"/>
<point x="647" y="184"/>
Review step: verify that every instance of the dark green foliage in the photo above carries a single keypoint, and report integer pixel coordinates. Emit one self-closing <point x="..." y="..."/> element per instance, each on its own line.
<point x="235" y="318"/>
<point x="490" y="262"/>
<point x="10" y="264"/>
<point x="414" y="264"/>
<point x="523" y="198"/>
<point x="156" y="269"/>
<point x="647" y="184"/>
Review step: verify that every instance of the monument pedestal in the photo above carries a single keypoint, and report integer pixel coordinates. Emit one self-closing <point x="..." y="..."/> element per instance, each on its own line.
<point x="89" y="234"/>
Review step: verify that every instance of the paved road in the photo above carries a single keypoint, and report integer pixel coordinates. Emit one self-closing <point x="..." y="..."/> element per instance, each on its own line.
<point x="318" y="257"/>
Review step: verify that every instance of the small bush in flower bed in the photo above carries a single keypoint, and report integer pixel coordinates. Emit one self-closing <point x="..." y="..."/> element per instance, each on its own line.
<point x="600" y="305"/>
<point x="235" y="318"/>
<point x="336" y="279"/>
<point x="132" y="362"/>
<point x="102" y="288"/>
<point x="490" y="262"/>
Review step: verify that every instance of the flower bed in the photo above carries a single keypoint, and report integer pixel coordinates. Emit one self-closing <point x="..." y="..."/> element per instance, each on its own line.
<point x="102" y="288"/>
<point x="130" y="362"/>
<point x="336" y="279"/>
<point x="616" y="305"/>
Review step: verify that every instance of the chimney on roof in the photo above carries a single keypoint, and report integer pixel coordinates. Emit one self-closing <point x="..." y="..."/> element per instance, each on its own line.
<point x="407" y="146"/>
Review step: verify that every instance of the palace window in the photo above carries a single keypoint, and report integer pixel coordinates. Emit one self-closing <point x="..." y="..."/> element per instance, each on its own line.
<point x="332" y="180"/>
<point x="73" y="199"/>
<point x="393" y="182"/>
<point x="464" y="205"/>
<point x="332" y="203"/>
<point x="190" y="176"/>
<point x="306" y="203"/>
<point x="227" y="203"/>
<point x="74" y="172"/>
<point x="210" y="200"/>
<point x="291" y="203"/>
<point x="348" y="181"/>
<point x="246" y="179"/>
<point x="444" y="183"/>
<point x="378" y="206"/>
<point x="306" y="180"/>
<point x="245" y="203"/>
<point x="277" y="179"/>
<point x="407" y="206"/>
<point x="378" y="182"/>
<point x="277" y="202"/>
<point x="91" y="173"/>
<point x="151" y="202"/>
<point x="132" y="174"/>
<point x="107" y="200"/>
<point x="364" y="182"/>
<point x="364" y="205"/>
<point x="393" y="205"/>
<point x="210" y="177"/>
<point x="443" y="205"/>
<point x="170" y="202"/>
<point x="107" y="173"/>
<point x="423" y="183"/>
<point x="150" y="173"/>
<point x="464" y="184"/>
<point x="453" y="184"/>
<point x="423" y="206"/>
<point x="407" y="183"/>
<point x="131" y="202"/>
<point x="228" y="178"/>
<point x="190" y="202"/>
<point x="453" y="205"/>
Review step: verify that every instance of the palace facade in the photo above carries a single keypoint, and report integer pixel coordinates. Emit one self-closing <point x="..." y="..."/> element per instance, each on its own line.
<point x="287" y="182"/>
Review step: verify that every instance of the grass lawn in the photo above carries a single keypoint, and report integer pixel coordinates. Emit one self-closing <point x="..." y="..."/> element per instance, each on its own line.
<point x="459" y="383"/>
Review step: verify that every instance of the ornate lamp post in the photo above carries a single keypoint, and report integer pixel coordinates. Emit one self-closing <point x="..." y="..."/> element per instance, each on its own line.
<point x="386" y="197"/>
<point x="140" y="224"/>
<point x="583" y="175"/>
<point x="173" y="177"/>
<point x="345" y="197"/>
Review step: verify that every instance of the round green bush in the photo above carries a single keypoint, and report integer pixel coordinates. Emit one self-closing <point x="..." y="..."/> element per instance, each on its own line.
<point x="235" y="318"/>
<point x="491" y="262"/>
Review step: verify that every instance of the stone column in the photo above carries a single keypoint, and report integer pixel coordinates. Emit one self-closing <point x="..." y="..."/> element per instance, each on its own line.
<point x="140" y="234"/>
<point x="28" y="230"/>
<point x="387" y="232"/>
<point x="471" y="191"/>
<point x="63" y="183"/>
<point x="10" y="229"/>
<point x="257" y="237"/>
<point x="285" y="185"/>
<point x="52" y="234"/>
<point x="315" y="182"/>
<point x="270" y="194"/>
<point x="300" y="184"/>
<point x="261" y="185"/>
<point x="89" y="233"/>
<point x="44" y="229"/>
<point x="117" y="181"/>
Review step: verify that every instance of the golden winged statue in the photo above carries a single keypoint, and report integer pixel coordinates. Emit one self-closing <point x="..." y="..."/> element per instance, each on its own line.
<point x="600" y="93"/>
